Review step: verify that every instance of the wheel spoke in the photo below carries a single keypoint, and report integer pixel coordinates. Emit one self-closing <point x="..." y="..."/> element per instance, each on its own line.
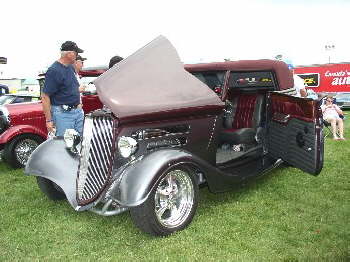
<point x="161" y="211"/>
<point x="174" y="211"/>
<point x="163" y="191"/>
<point x="170" y="182"/>
<point x="180" y="192"/>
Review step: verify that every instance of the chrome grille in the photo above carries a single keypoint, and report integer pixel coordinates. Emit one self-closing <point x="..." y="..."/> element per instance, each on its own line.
<point x="96" y="157"/>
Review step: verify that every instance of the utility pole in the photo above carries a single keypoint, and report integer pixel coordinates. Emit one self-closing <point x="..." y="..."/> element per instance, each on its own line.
<point x="329" y="48"/>
<point x="3" y="60"/>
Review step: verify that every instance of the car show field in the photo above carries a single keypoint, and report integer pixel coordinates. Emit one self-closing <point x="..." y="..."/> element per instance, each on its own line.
<point x="145" y="138"/>
<point x="253" y="202"/>
<point x="275" y="218"/>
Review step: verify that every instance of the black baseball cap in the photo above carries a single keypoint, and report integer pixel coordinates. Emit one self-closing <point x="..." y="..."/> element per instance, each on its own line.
<point x="114" y="60"/>
<point x="71" y="46"/>
<point x="80" y="58"/>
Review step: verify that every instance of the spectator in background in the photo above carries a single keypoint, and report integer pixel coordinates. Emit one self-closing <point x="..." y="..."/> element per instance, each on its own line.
<point x="299" y="85"/>
<point x="78" y="65"/>
<point x="114" y="60"/>
<point x="331" y="114"/>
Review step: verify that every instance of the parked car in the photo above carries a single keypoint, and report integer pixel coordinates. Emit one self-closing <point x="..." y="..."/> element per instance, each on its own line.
<point x="163" y="133"/>
<point x="23" y="126"/>
<point x="17" y="98"/>
<point x="343" y="100"/>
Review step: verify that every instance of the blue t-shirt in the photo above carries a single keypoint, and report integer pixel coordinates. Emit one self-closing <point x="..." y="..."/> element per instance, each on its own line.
<point x="62" y="85"/>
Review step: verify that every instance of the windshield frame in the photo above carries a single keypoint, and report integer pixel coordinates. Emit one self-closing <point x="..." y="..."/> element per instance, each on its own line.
<point x="6" y="99"/>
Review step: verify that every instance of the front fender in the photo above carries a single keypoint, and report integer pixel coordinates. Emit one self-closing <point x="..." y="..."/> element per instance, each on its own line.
<point x="136" y="181"/>
<point x="13" y="131"/>
<point x="52" y="160"/>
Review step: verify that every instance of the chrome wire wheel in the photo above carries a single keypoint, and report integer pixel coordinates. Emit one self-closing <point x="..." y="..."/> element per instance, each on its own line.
<point x="174" y="198"/>
<point x="24" y="149"/>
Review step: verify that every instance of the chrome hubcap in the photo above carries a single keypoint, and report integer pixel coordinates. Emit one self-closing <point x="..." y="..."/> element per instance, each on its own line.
<point x="174" y="198"/>
<point x="24" y="149"/>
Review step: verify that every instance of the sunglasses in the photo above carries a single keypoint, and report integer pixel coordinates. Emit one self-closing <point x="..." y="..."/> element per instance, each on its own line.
<point x="329" y="100"/>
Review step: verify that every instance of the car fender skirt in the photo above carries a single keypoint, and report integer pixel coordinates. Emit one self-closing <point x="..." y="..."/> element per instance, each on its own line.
<point x="52" y="160"/>
<point x="134" y="183"/>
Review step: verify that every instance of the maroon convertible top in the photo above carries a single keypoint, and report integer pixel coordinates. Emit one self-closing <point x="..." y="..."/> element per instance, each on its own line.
<point x="283" y="73"/>
<point x="152" y="80"/>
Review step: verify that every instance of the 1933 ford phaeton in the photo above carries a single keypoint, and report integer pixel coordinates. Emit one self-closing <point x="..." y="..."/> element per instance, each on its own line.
<point x="165" y="131"/>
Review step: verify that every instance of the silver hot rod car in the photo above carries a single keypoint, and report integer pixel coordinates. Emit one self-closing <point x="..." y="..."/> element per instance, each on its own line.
<point x="167" y="129"/>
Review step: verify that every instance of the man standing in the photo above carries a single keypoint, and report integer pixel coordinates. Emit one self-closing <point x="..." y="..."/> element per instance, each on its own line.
<point x="78" y="65"/>
<point x="299" y="85"/>
<point x="60" y="96"/>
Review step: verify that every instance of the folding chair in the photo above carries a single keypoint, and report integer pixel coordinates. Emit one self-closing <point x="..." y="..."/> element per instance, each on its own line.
<point x="327" y="130"/>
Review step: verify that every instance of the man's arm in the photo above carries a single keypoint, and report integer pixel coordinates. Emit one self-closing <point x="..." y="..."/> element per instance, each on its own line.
<point x="47" y="111"/>
<point x="339" y="111"/>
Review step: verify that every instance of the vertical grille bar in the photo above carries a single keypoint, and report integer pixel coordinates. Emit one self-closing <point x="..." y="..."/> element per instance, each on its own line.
<point x="96" y="157"/>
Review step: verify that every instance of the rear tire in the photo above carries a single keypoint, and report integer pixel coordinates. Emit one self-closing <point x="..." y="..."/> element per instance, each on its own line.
<point x="170" y="206"/>
<point x="50" y="189"/>
<point x="18" y="150"/>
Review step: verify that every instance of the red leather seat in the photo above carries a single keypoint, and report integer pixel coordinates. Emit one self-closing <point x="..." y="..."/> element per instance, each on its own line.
<point x="240" y="125"/>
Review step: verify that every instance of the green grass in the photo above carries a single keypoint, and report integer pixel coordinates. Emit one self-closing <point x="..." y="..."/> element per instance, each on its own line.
<point x="284" y="216"/>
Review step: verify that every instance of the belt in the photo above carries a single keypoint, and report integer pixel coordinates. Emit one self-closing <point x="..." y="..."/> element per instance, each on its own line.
<point x="70" y="107"/>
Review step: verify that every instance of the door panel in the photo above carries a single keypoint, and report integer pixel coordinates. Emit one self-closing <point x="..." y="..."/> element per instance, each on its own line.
<point x="295" y="132"/>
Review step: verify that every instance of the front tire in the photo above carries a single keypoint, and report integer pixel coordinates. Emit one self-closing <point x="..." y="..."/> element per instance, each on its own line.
<point x="18" y="150"/>
<point x="50" y="189"/>
<point x="171" y="205"/>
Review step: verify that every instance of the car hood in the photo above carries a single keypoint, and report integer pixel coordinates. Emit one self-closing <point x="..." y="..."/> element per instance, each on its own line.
<point x="152" y="80"/>
<point x="24" y="108"/>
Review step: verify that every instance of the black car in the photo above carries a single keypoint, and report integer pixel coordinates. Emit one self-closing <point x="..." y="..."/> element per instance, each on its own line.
<point x="165" y="130"/>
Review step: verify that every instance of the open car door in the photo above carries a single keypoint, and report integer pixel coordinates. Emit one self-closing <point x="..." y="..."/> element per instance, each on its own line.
<point x="295" y="132"/>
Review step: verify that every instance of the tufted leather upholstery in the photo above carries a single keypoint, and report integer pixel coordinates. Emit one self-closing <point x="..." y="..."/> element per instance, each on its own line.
<point x="240" y="125"/>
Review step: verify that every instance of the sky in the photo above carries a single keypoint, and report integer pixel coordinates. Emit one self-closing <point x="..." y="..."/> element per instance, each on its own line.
<point x="201" y="31"/>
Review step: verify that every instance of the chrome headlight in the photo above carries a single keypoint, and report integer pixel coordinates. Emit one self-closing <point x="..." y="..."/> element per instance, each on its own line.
<point x="72" y="139"/>
<point x="127" y="146"/>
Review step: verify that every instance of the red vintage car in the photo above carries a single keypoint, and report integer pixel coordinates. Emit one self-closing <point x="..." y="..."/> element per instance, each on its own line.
<point x="164" y="132"/>
<point x="23" y="127"/>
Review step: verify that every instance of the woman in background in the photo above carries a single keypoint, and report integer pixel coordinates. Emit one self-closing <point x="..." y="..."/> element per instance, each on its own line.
<point x="331" y="114"/>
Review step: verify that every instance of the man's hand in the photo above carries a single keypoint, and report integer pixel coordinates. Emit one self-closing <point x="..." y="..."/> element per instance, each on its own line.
<point x="50" y="126"/>
<point x="303" y="92"/>
<point x="82" y="88"/>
